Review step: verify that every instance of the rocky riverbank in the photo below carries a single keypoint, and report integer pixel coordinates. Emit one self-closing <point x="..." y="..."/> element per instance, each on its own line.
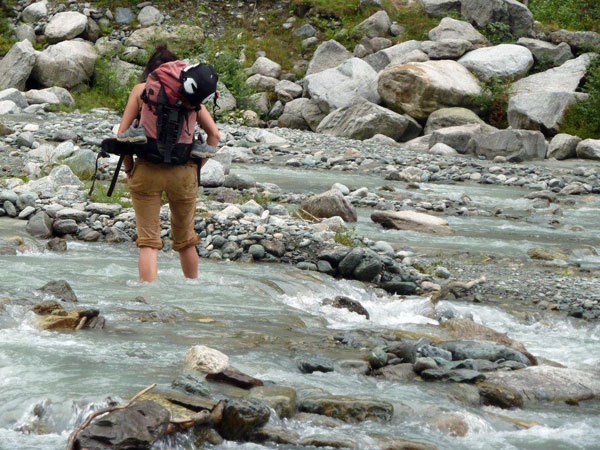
<point x="241" y="219"/>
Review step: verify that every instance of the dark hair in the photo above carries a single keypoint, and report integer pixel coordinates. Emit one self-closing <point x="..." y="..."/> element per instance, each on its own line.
<point x="160" y="56"/>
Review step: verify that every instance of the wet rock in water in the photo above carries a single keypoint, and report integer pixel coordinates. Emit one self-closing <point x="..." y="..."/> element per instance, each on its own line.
<point x="351" y="305"/>
<point x="137" y="426"/>
<point x="40" y="225"/>
<point x="356" y="366"/>
<point x="378" y="358"/>
<point x="241" y="418"/>
<point x="393" y="443"/>
<point x="456" y="375"/>
<point x="500" y="396"/>
<point x="282" y="399"/>
<point x="329" y="204"/>
<point x="547" y="383"/>
<point x="468" y="329"/>
<point x="235" y="378"/>
<point x="453" y="424"/>
<point x="482" y="350"/>
<point x="205" y="359"/>
<point x="60" y="289"/>
<point x="277" y="435"/>
<point x="55" y="317"/>
<point x="412" y="220"/>
<point x="323" y="440"/>
<point x="397" y="372"/>
<point x="310" y="364"/>
<point x="191" y="385"/>
<point x="406" y="350"/>
<point x="58" y="245"/>
<point x="399" y="287"/>
<point x="348" y="409"/>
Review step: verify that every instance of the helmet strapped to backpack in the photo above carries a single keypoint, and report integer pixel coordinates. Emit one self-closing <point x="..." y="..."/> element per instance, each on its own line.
<point x="174" y="93"/>
<point x="198" y="82"/>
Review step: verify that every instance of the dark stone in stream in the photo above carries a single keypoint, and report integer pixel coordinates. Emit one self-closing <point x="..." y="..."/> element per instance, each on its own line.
<point x="136" y="427"/>
<point x="60" y="289"/>
<point x="310" y="364"/>
<point x="399" y="287"/>
<point x="241" y="418"/>
<point x="456" y="375"/>
<point x="482" y="350"/>
<point x="235" y="378"/>
<point x="351" y="305"/>
<point x="190" y="385"/>
<point x="500" y="396"/>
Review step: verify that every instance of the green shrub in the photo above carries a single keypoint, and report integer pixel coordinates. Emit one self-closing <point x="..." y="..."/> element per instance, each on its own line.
<point x="104" y="90"/>
<point x="6" y="39"/>
<point x="498" y="33"/>
<point x="492" y="103"/>
<point x="583" y="118"/>
<point x="569" y="14"/>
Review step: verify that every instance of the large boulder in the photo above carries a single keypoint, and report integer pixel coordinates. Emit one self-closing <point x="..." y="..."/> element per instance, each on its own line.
<point x="541" y="111"/>
<point x="340" y="86"/>
<point x="377" y="25"/>
<point x="35" y="12"/>
<point x="302" y="114"/>
<point x="330" y="204"/>
<point x="451" y="117"/>
<point x="547" y="383"/>
<point x="66" y="64"/>
<point x="458" y="136"/>
<point x="418" y="89"/>
<point x="539" y="101"/>
<point x="412" y="221"/>
<point x="16" y="66"/>
<point x="563" y="146"/>
<point x="137" y="426"/>
<point x="509" y="12"/>
<point x="449" y="28"/>
<point x="514" y="145"/>
<point x="565" y="78"/>
<point x="578" y="40"/>
<point x="266" y="67"/>
<point x="588" y="149"/>
<point x="363" y="120"/>
<point x="547" y="52"/>
<point x="396" y="54"/>
<point x="65" y="26"/>
<point x="328" y="55"/>
<point x="441" y="8"/>
<point x="505" y="61"/>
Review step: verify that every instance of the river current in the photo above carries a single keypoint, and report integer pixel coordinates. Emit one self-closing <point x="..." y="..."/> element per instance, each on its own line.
<point x="263" y="317"/>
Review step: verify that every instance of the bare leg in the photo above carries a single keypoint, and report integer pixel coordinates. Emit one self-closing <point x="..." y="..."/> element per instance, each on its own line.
<point x="148" y="264"/>
<point x="188" y="257"/>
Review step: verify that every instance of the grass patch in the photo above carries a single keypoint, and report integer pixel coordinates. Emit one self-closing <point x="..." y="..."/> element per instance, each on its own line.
<point x="582" y="119"/>
<point x="105" y="89"/>
<point x="345" y="236"/>
<point x="413" y="18"/>
<point x="120" y="194"/>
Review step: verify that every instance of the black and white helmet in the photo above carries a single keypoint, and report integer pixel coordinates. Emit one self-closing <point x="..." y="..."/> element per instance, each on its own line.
<point x="198" y="82"/>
